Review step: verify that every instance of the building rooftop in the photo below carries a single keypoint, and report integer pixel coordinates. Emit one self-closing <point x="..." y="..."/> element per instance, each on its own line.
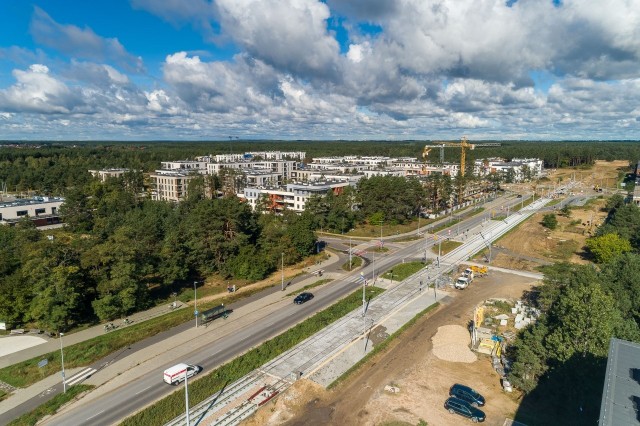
<point x="30" y="201"/>
<point x="621" y="392"/>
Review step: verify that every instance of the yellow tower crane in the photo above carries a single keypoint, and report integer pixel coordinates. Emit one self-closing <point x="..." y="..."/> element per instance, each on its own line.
<point x="463" y="145"/>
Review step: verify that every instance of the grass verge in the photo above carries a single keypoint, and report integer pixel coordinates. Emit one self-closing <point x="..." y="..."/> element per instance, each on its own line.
<point x="199" y="390"/>
<point x="49" y="407"/>
<point x="84" y="353"/>
<point x="355" y="263"/>
<point x="310" y="286"/>
<point x="446" y="247"/>
<point x="381" y="346"/>
<point x="522" y="205"/>
<point x="401" y="271"/>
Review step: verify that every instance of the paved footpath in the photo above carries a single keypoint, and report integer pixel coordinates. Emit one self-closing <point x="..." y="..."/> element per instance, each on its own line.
<point x="146" y="359"/>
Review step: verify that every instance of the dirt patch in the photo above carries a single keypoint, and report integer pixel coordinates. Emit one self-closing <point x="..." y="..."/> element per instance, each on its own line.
<point x="423" y="379"/>
<point x="451" y="343"/>
<point x="303" y="395"/>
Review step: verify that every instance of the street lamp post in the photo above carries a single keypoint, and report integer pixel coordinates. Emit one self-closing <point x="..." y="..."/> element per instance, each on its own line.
<point x="350" y="254"/>
<point x="195" y="301"/>
<point x="64" y="381"/>
<point x="364" y="300"/>
<point x="186" y="395"/>
<point x="282" y="270"/>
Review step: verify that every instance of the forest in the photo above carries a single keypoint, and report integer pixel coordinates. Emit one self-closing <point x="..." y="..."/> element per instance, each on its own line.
<point x="120" y="252"/>
<point x="559" y="362"/>
<point x="52" y="168"/>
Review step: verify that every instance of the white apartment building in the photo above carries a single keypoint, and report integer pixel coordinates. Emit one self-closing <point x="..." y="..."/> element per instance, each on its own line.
<point x="185" y="166"/>
<point x="170" y="185"/>
<point x="285" y="169"/>
<point x="294" y="197"/>
<point x="105" y="174"/>
<point x="487" y="166"/>
<point x="354" y="160"/>
<point x="264" y="155"/>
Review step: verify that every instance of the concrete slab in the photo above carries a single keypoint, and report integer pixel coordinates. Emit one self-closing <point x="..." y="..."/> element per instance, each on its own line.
<point x="11" y="344"/>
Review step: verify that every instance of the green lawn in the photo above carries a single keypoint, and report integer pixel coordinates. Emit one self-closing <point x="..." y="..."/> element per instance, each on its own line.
<point x="446" y="246"/>
<point x="401" y="271"/>
<point x="310" y="286"/>
<point x="200" y="389"/>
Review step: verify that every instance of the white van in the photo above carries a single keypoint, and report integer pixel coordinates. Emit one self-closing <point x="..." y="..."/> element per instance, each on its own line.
<point x="174" y="375"/>
<point x="462" y="283"/>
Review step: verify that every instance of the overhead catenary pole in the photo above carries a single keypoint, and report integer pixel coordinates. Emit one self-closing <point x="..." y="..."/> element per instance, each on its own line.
<point x="282" y="270"/>
<point x="64" y="381"/>
<point x="186" y="395"/>
<point x="195" y="301"/>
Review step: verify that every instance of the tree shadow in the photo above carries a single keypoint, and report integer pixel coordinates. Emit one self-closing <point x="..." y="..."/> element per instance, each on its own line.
<point x="568" y="394"/>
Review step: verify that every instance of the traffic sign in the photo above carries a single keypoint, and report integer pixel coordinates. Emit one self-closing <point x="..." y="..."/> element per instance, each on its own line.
<point x="195" y="313"/>
<point x="43" y="363"/>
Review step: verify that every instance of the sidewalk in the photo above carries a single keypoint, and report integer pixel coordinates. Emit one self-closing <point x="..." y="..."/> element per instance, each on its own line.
<point x="147" y="359"/>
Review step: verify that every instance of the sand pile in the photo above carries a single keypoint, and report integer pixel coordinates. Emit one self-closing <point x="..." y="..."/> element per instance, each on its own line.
<point x="451" y="343"/>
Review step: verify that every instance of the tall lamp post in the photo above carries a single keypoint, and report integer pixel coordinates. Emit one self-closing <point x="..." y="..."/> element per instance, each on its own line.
<point x="64" y="381"/>
<point x="195" y="301"/>
<point x="186" y="394"/>
<point x="282" y="269"/>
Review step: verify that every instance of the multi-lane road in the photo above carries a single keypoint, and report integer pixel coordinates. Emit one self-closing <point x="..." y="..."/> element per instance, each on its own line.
<point x="111" y="407"/>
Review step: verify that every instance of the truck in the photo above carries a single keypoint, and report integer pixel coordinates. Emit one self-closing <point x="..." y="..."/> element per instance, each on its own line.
<point x="468" y="273"/>
<point x="174" y="375"/>
<point x="462" y="283"/>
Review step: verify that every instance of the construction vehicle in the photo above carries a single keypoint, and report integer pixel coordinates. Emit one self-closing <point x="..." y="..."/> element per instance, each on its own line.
<point x="479" y="271"/>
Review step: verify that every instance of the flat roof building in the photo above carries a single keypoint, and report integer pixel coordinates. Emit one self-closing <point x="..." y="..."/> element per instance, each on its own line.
<point x="41" y="210"/>
<point x="620" y="403"/>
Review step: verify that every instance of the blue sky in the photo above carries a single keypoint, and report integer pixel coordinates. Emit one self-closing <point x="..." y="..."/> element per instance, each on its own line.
<point x="309" y="69"/>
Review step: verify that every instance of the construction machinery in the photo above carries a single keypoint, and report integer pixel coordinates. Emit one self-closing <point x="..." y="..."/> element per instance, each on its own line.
<point x="463" y="145"/>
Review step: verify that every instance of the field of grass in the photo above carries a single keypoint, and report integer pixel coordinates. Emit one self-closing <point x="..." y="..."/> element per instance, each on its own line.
<point x="200" y="389"/>
<point x="355" y="263"/>
<point x="446" y="247"/>
<point x="401" y="271"/>
<point x="27" y="372"/>
<point x="50" y="407"/>
<point x="310" y="286"/>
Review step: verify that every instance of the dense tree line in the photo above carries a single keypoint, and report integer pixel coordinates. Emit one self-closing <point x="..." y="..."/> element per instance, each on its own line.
<point x="52" y="168"/>
<point x="560" y="360"/>
<point x="118" y="253"/>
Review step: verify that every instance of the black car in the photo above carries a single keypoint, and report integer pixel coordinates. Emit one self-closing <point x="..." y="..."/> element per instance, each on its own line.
<point x="467" y="394"/>
<point x="302" y="297"/>
<point x="458" y="406"/>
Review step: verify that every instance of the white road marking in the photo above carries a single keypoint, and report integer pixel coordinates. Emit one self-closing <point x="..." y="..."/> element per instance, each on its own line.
<point x="140" y="391"/>
<point x="95" y="415"/>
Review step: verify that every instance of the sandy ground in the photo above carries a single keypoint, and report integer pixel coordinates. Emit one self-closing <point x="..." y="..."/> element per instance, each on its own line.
<point x="11" y="344"/>
<point x="566" y="243"/>
<point x="409" y="364"/>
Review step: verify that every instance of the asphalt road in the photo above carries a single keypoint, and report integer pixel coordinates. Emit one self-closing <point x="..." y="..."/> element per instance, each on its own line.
<point x="114" y="406"/>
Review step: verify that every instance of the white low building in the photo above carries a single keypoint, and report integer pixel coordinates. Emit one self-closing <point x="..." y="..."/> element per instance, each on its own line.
<point x="42" y="211"/>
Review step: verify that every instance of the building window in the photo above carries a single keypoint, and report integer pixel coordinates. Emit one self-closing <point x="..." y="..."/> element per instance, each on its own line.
<point x="22" y="213"/>
<point x="40" y="211"/>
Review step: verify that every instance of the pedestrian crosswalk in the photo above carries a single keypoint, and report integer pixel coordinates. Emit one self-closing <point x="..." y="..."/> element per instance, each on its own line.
<point x="79" y="377"/>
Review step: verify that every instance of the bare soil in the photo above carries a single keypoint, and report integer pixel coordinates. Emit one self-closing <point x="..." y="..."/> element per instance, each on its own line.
<point x="409" y="364"/>
<point x="531" y="241"/>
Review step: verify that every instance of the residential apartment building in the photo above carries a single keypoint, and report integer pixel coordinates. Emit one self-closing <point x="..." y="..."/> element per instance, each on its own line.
<point x="294" y="197"/>
<point x="105" y="174"/>
<point x="170" y="185"/>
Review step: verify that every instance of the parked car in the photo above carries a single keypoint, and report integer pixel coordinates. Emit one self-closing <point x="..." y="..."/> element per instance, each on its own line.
<point x="302" y="297"/>
<point x="467" y="394"/>
<point x="459" y="406"/>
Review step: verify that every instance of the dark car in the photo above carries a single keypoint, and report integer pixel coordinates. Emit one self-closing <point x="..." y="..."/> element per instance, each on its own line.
<point x="467" y="394"/>
<point x="458" y="406"/>
<point x="302" y="297"/>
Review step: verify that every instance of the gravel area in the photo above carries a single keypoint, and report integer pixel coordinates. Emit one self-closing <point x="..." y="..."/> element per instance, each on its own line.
<point x="451" y="343"/>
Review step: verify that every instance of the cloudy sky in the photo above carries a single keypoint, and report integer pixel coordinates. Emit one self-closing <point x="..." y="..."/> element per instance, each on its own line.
<point x="309" y="69"/>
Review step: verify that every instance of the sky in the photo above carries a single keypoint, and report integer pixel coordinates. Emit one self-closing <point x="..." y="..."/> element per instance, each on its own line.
<point x="310" y="69"/>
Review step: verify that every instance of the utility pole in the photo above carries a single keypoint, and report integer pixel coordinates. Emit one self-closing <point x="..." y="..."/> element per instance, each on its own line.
<point x="186" y="395"/>
<point x="364" y="300"/>
<point x="195" y="301"/>
<point x="282" y="269"/>
<point x="64" y="381"/>
<point x="350" y="254"/>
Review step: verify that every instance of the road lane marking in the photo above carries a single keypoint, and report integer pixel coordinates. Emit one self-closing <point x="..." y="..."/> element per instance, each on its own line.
<point x="95" y="415"/>
<point x="142" y="390"/>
